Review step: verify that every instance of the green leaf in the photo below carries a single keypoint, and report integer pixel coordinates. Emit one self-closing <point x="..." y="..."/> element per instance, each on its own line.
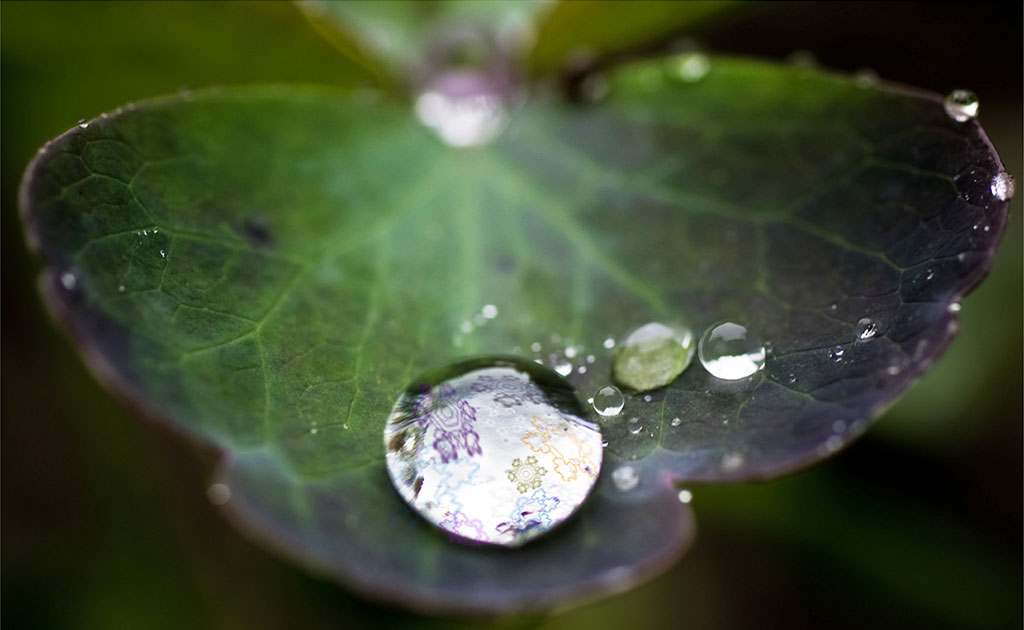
<point x="266" y="268"/>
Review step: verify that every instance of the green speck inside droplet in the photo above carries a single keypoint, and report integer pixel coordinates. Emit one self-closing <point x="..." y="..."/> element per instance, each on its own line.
<point x="653" y="356"/>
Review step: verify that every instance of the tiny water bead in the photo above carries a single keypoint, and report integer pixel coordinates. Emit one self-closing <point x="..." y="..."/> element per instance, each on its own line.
<point x="608" y="401"/>
<point x="653" y="356"/>
<point x="961" y="105"/>
<point x="730" y="351"/>
<point x="689" y="67"/>
<point x="492" y="450"/>
<point x="866" y="328"/>
<point x="625" y="478"/>
<point x="1003" y="186"/>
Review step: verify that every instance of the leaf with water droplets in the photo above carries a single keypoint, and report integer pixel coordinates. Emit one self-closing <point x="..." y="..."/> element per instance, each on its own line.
<point x="269" y="268"/>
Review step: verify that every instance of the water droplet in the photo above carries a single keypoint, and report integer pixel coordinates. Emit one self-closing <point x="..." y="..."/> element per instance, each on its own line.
<point x="581" y="369"/>
<point x="954" y="307"/>
<point x="466" y="326"/>
<point x="647" y="398"/>
<point x="489" y="311"/>
<point x="460" y="116"/>
<point x="837" y="354"/>
<point x="635" y="429"/>
<point x="163" y="254"/>
<point x="313" y="431"/>
<point x="608" y="401"/>
<point x="892" y="370"/>
<point x="961" y="105"/>
<point x="535" y="347"/>
<point x="82" y="124"/>
<point x="1003" y="187"/>
<point x="590" y="358"/>
<point x="730" y="351"/>
<point x="69" y="280"/>
<point x="625" y="478"/>
<point x="685" y="496"/>
<point x="732" y="461"/>
<point x="865" y="78"/>
<point x="676" y="422"/>
<point x="218" y="493"/>
<point x="120" y="288"/>
<point x="833" y="443"/>
<point x="492" y="450"/>
<point x="802" y="59"/>
<point x="838" y="426"/>
<point x="609" y="343"/>
<point x="564" y="368"/>
<point x="866" y="328"/>
<point x="653" y="356"/>
<point x="689" y="67"/>
<point x="345" y="426"/>
<point x="570" y="352"/>
<point x="929" y="274"/>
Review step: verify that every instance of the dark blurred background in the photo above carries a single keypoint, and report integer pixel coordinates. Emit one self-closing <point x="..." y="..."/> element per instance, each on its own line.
<point x="105" y="521"/>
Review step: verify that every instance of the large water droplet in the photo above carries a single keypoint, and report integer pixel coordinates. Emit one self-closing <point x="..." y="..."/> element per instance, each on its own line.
<point x="1003" y="186"/>
<point x="961" y="105"/>
<point x="730" y="351"/>
<point x="608" y="401"/>
<point x="461" y="112"/>
<point x="493" y="450"/>
<point x="69" y="280"/>
<point x="653" y="356"/>
<point x="866" y="328"/>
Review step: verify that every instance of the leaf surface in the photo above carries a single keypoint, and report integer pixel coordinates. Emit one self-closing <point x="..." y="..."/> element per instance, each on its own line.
<point x="267" y="268"/>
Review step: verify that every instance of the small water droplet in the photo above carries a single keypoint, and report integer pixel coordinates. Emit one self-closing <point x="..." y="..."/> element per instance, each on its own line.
<point x="581" y="369"/>
<point x="929" y="274"/>
<point x="345" y="426"/>
<point x="838" y="426"/>
<point x="732" y="461"/>
<point x="689" y="67"/>
<point x="218" y="493"/>
<point x="163" y="254"/>
<point x="466" y="326"/>
<point x="730" y="351"/>
<point x="82" y="124"/>
<point x="625" y="478"/>
<point x="954" y="307"/>
<point x="647" y="398"/>
<point x="961" y="105"/>
<point x="489" y="311"/>
<point x="570" y="352"/>
<point x="313" y="431"/>
<point x="609" y="401"/>
<point x="676" y="422"/>
<point x="892" y="370"/>
<point x="685" y="496"/>
<point x="120" y="288"/>
<point x="634" y="427"/>
<point x="865" y="78"/>
<point x="837" y="354"/>
<point x="1003" y="187"/>
<point x="590" y="358"/>
<point x="866" y="328"/>
<point x="535" y="347"/>
<point x="609" y="343"/>
<point x="802" y="59"/>
<point x="833" y="443"/>
<point x="69" y="280"/>
<point x="564" y="368"/>
<point x="492" y="450"/>
<point x="652" y="356"/>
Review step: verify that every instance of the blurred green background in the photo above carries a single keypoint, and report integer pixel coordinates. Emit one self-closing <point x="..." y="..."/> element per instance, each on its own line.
<point x="105" y="521"/>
